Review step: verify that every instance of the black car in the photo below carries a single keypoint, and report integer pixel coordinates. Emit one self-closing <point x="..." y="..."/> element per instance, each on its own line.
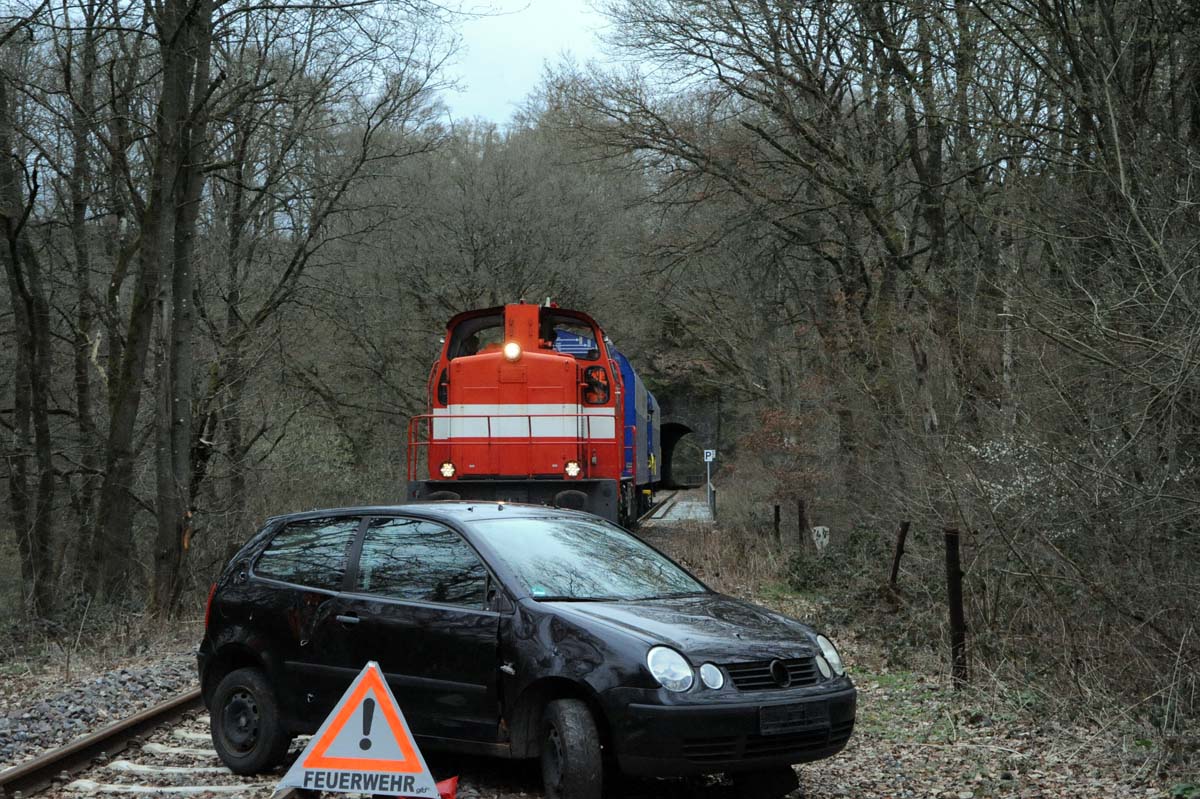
<point x="513" y="630"/>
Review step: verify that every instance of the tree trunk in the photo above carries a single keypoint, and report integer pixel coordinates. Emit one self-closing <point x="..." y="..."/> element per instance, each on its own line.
<point x="167" y="505"/>
<point x="901" y="537"/>
<point x="112" y="549"/>
<point x="232" y="367"/>
<point x="114" y="544"/>
<point x="21" y="443"/>
<point x="184" y="34"/>
<point x="80" y="193"/>
<point x="34" y="364"/>
<point x="174" y="495"/>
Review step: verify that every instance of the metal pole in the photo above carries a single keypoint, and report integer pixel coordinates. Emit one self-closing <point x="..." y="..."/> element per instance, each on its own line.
<point x="708" y="484"/>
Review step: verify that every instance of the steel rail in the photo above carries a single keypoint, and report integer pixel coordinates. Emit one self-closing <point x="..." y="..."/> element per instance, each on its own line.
<point x="656" y="506"/>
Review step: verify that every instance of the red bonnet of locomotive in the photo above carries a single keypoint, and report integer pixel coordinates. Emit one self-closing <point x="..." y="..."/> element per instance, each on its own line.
<point x="512" y="417"/>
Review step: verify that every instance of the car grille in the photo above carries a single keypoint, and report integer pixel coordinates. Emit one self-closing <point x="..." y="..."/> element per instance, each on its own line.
<point x="756" y="676"/>
<point x="754" y="747"/>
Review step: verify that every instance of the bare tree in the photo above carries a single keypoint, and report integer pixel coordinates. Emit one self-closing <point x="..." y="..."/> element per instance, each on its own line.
<point x="19" y="185"/>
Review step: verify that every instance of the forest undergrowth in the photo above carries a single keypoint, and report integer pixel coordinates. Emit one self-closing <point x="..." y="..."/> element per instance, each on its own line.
<point x="1011" y="731"/>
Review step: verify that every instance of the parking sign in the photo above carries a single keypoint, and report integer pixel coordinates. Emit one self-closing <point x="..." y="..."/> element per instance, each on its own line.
<point x="710" y="455"/>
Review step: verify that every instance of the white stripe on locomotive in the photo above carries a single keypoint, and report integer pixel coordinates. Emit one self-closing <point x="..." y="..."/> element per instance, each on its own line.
<point x="521" y="420"/>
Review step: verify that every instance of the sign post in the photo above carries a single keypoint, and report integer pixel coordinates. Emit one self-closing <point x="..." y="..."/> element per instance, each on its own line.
<point x="710" y="455"/>
<point x="364" y="746"/>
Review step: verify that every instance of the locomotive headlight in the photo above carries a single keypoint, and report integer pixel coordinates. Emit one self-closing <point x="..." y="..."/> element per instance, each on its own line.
<point x="512" y="350"/>
<point x="447" y="469"/>
<point x="573" y="468"/>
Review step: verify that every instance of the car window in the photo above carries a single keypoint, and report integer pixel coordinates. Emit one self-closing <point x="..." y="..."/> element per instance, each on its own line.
<point x="422" y="561"/>
<point x="582" y="559"/>
<point x="310" y="552"/>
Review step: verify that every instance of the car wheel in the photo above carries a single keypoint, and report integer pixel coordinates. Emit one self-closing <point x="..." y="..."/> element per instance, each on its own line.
<point x="571" y="757"/>
<point x="246" y="729"/>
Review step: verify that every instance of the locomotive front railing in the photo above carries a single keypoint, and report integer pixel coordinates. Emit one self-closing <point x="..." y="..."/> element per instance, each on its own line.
<point x="494" y="436"/>
<point x="629" y="462"/>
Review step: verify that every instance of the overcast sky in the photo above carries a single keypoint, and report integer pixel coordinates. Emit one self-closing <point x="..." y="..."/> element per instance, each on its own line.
<point x="502" y="55"/>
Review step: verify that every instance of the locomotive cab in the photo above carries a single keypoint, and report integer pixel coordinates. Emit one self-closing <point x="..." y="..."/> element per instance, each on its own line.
<point x="526" y="405"/>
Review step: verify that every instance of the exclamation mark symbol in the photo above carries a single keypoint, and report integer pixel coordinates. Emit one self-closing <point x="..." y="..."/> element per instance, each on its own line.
<point x="368" y="714"/>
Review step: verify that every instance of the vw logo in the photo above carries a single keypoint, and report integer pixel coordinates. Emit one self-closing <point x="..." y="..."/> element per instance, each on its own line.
<point x="779" y="672"/>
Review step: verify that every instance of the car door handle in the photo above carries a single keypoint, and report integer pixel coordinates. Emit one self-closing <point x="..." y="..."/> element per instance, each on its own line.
<point x="347" y="619"/>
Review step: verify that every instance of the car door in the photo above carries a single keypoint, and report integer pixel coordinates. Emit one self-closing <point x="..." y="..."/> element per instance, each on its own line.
<point x="300" y="574"/>
<point x="418" y="592"/>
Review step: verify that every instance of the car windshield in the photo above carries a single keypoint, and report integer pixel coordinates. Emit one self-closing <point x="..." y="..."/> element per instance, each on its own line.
<point x="582" y="560"/>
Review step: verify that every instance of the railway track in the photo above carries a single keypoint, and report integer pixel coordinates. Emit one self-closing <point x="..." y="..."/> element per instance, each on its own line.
<point x="663" y="505"/>
<point x="164" y="750"/>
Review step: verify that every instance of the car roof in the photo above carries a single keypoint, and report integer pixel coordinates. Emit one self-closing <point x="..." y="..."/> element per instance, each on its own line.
<point x="445" y="510"/>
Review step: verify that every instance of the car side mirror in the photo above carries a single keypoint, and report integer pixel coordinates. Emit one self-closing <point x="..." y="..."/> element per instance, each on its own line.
<point x="495" y="599"/>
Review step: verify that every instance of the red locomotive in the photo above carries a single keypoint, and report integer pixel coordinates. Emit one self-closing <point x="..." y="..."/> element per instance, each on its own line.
<point x="533" y="403"/>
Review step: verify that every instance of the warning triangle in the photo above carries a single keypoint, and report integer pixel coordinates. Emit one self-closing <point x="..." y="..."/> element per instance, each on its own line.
<point x="364" y="746"/>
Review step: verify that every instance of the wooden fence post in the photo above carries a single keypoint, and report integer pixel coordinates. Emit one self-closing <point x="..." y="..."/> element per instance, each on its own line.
<point x="777" y="533"/>
<point x="958" y="623"/>
<point x="901" y="537"/>
<point x="804" y="529"/>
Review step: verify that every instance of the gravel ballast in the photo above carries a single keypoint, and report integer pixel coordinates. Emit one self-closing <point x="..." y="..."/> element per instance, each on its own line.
<point x="90" y="704"/>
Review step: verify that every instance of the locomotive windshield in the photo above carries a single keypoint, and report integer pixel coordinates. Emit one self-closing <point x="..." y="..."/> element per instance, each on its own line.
<point x="561" y="332"/>
<point x="572" y="337"/>
<point x="473" y="335"/>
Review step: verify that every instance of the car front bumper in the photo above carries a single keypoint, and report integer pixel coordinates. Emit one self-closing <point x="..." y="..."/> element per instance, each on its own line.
<point x="667" y="740"/>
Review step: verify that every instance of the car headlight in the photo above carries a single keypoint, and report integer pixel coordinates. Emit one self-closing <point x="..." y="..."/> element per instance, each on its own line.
<point x="711" y="676"/>
<point x="670" y="668"/>
<point x="823" y="667"/>
<point x="831" y="655"/>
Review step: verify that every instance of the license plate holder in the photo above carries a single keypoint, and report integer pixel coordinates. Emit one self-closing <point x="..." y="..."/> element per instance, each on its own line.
<point x="779" y="719"/>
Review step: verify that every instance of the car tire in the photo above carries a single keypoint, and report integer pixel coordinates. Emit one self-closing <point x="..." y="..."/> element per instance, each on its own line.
<point x="247" y="731"/>
<point x="572" y="765"/>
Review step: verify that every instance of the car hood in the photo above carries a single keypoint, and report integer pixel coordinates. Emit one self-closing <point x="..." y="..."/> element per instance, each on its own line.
<point x="711" y="626"/>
